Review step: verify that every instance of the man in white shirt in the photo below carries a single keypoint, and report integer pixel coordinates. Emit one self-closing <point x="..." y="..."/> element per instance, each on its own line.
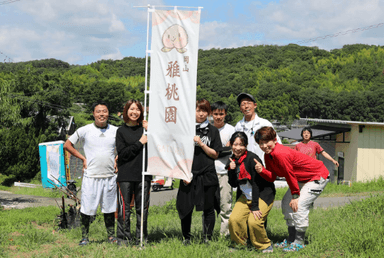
<point x="251" y="122"/>
<point x="219" y="111"/>
<point x="99" y="177"/>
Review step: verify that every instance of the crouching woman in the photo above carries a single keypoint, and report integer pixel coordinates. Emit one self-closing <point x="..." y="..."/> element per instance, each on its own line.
<point x="255" y="196"/>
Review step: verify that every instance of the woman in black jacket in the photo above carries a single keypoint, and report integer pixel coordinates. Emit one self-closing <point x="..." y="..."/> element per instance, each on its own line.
<point x="255" y="196"/>
<point x="130" y="141"/>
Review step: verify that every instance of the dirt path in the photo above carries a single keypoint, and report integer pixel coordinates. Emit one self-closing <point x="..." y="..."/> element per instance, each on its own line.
<point x="9" y="200"/>
<point x="17" y="201"/>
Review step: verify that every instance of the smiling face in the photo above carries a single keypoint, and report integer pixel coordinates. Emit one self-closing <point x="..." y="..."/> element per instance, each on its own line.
<point x="201" y="115"/>
<point x="238" y="147"/>
<point x="133" y="113"/>
<point x="267" y="146"/>
<point x="218" y="117"/>
<point x="247" y="107"/>
<point x="100" y="113"/>
<point x="175" y="36"/>
<point x="306" y="136"/>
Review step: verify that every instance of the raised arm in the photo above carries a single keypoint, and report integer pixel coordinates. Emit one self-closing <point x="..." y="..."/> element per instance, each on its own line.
<point x="328" y="157"/>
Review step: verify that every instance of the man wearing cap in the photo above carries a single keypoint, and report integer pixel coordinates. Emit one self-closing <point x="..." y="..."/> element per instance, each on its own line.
<point x="251" y="122"/>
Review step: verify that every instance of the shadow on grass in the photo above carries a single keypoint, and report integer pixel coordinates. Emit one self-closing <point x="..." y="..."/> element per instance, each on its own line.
<point x="9" y="201"/>
<point x="158" y="234"/>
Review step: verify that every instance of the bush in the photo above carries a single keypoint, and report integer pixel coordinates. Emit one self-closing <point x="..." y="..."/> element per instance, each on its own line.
<point x="19" y="155"/>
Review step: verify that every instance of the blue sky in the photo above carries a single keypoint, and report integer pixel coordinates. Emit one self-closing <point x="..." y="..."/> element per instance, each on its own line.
<point x="81" y="32"/>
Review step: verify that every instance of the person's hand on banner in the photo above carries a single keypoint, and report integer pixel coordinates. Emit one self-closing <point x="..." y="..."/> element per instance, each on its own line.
<point x="232" y="165"/>
<point x="145" y="124"/>
<point x="186" y="182"/>
<point x="143" y="139"/>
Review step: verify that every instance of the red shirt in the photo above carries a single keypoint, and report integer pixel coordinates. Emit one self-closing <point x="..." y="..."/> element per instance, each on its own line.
<point x="294" y="166"/>
<point x="310" y="148"/>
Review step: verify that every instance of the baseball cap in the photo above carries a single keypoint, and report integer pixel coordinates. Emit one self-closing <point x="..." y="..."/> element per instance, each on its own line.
<point x="245" y="95"/>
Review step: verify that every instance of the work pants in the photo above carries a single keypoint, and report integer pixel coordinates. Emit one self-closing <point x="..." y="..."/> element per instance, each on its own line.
<point x="242" y="220"/>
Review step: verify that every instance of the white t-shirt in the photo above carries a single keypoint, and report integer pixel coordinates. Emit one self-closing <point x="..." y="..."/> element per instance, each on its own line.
<point x="99" y="149"/>
<point x="250" y="128"/>
<point x="247" y="190"/>
<point x="225" y="134"/>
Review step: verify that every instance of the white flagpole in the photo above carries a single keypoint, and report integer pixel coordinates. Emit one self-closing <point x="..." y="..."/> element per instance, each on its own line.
<point x="145" y="131"/>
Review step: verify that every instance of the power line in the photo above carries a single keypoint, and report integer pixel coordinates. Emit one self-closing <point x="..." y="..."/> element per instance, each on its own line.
<point x="8" y="2"/>
<point x="341" y="33"/>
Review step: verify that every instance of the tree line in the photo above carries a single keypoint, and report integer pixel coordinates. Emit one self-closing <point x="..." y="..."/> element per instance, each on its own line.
<point x="288" y="82"/>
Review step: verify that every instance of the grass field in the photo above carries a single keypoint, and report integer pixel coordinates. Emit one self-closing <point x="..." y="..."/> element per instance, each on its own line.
<point x="354" y="230"/>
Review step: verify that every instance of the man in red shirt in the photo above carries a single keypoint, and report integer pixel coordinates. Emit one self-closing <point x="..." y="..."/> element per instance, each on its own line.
<point x="306" y="178"/>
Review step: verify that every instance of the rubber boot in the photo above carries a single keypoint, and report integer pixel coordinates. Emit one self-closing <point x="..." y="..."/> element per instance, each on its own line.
<point x="299" y="239"/>
<point x="85" y="220"/>
<point x="291" y="234"/>
<point x="109" y="221"/>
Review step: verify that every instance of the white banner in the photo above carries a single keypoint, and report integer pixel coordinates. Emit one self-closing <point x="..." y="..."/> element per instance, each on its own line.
<point x="171" y="121"/>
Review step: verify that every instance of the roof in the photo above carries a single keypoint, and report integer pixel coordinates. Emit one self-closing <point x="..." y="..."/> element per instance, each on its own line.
<point x="316" y="133"/>
<point x="330" y="121"/>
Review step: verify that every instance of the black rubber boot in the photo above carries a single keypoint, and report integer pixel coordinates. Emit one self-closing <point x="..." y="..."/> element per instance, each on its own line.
<point x="85" y="220"/>
<point x="291" y="234"/>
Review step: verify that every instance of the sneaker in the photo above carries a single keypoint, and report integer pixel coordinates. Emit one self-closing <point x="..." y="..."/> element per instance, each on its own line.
<point x="84" y="241"/>
<point x="283" y="244"/>
<point x="293" y="247"/>
<point x="268" y="250"/>
<point x="112" y="240"/>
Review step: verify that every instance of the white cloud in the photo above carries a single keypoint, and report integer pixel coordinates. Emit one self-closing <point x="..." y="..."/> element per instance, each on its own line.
<point x="71" y="30"/>
<point x="114" y="56"/>
<point x="299" y="20"/>
<point x="296" y="20"/>
<point x="80" y="31"/>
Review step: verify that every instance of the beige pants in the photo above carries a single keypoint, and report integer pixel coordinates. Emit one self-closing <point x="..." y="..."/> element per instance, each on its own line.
<point x="225" y="203"/>
<point x="242" y="217"/>
<point x="308" y="194"/>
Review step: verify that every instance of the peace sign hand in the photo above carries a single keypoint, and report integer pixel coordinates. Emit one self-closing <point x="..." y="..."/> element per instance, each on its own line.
<point x="258" y="166"/>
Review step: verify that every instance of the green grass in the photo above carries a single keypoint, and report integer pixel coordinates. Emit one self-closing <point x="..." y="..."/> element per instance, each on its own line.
<point x="354" y="230"/>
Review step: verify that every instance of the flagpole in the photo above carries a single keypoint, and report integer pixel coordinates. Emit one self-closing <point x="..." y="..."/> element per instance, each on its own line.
<point x="145" y="131"/>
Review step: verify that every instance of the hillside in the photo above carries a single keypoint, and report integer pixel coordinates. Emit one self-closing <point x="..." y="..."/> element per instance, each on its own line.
<point x="288" y="82"/>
